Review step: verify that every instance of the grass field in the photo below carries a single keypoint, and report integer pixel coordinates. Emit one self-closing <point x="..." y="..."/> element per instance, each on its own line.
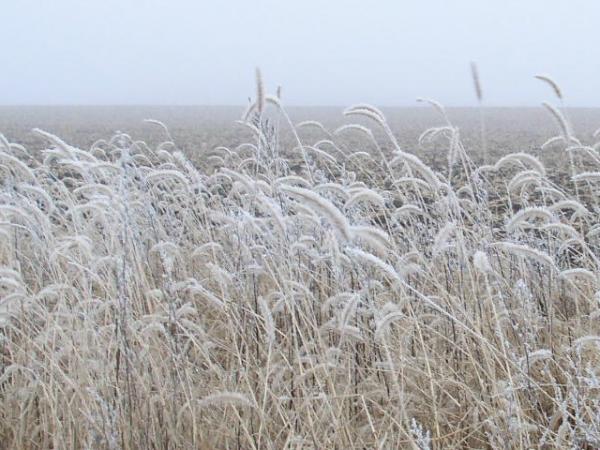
<point x="350" y="282"/>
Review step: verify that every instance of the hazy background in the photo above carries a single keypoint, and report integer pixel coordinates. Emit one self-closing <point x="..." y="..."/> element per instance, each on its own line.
<point x="176" y="52"/>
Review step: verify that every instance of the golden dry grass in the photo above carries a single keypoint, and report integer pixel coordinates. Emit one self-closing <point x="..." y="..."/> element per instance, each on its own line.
<point x="337" y="294"/>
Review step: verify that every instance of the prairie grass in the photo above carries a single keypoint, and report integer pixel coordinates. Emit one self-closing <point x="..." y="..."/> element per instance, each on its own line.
<point x="325" y="295"/>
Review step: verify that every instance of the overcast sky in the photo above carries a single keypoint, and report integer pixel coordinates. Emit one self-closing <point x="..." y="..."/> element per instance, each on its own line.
<point x="323" y="52"/>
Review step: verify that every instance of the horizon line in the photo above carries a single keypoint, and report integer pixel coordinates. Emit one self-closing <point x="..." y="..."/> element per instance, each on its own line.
<point x="225" y="105"/>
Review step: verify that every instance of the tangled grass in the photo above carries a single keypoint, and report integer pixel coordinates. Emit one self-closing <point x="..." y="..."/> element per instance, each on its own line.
<point x="314" y="297"/>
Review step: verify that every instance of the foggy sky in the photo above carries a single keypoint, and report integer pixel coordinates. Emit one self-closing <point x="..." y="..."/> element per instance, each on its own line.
<point x="323" y="52"/>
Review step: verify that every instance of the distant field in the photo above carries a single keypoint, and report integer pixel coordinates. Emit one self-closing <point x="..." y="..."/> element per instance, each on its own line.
<point x="199" y="128"/>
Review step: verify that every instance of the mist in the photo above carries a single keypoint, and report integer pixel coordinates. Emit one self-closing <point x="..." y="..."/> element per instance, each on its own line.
<point x="184" y="52"/>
